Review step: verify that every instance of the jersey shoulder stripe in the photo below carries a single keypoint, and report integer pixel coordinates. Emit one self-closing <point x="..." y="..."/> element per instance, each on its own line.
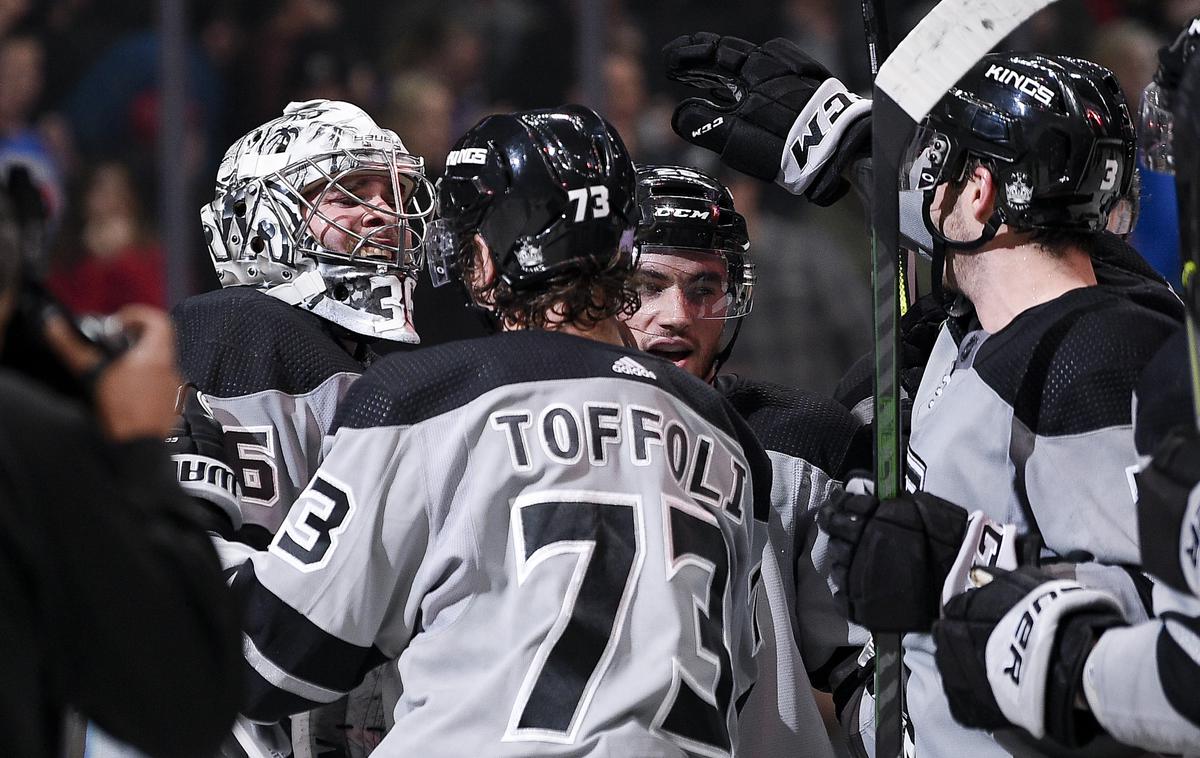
<point x="311" y="655"/>
<point x="1178" y="668"/>
<point x="237" y="341"/>
<point x="1070" y="366"/>
<point x="407" y="388"/>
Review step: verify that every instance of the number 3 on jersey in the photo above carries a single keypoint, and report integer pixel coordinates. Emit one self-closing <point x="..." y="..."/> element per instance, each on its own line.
<point x="606" y="533"/>
<point x="309" y="536"/>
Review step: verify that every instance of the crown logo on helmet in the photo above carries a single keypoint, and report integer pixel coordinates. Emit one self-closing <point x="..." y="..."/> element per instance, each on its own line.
<point x="1019" y="189"/>
<point x="529" y="255"/>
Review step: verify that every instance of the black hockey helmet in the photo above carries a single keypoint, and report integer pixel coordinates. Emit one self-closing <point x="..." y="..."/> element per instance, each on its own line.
<point x="548" y="190"/>
<point x="1054" y="131"/>
<point x="686" y="209"/>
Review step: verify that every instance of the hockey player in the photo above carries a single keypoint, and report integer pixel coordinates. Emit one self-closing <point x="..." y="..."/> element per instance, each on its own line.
<point x="315" y="231"/>
<point x="1045" y="357"/>
<point x="695" y="285"/>
<point x="550" y="531"/>
<point x="1084" y="668"/>
<point x="1135" y="681"/>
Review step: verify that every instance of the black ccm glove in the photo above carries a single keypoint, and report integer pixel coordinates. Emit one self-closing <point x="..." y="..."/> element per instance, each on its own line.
<point x="1169" y="510"/>
<point x="770" y="111"/>
<point x="1173" y="58"/>
<point x="896" y="562"/>
<point x="1013" y="651"/>
<point x="196" y="445"/>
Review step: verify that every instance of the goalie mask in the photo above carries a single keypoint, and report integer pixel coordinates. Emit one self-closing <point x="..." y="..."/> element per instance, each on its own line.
<point x="327" y="211"/>
<point x="1054" y="132"/>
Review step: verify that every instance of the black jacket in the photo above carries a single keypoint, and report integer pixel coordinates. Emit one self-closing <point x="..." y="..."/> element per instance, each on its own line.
<point x="113" y="601"/>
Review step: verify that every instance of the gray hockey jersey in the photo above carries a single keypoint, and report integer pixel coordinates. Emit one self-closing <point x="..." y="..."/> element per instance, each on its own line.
<point x="1033" y="426"/>
<point x="1141" y="680"/>
<point x="807" y="438"/>
<point x="552" y="536"/>
<point x="273" y="375"/>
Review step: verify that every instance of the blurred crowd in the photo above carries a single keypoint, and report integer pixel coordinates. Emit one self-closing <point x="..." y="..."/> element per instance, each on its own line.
<point x="80" y="98"/>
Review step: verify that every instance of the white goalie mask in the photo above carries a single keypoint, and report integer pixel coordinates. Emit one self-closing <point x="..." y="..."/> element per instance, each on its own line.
<point x="327" y="211"/>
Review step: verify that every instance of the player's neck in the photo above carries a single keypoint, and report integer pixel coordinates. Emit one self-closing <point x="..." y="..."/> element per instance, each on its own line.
<point x="609" y="331"/>
<point x="1004" y="282"/>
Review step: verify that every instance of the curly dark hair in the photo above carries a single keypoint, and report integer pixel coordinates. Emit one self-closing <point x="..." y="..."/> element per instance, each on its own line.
<point x="584" y="296"/>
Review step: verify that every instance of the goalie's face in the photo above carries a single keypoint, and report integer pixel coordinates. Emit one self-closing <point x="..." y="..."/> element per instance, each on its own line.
<point x="683" y="308"/>
<point x="359" y="217"/>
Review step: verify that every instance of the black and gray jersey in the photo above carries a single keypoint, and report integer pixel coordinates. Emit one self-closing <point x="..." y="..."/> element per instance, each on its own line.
<point x="273" y="375"/>
<point x="1033" y="426"/>
<point x="806" y="437"/>
<point x="550" y="535"/>
<point x="1140" y="680"/>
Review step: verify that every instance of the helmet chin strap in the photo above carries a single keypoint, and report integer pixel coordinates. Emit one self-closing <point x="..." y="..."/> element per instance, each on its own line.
<point x="299" y="289"/>
<point x="725" y="351"/>
<point x="942" y="243"/>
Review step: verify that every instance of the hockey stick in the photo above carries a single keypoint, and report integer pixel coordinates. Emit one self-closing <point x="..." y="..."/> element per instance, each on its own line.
<point x="1187" y="172"/>
<point x="874" y="14"/>
<point x="875" y="24"/>
<point x="918" y="73"/>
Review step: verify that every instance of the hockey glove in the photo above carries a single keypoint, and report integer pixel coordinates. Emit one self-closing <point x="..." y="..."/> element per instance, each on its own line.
<point x="1012" y="652"/>
<point x="896" y="562"/>
<point x="196" y="445"/>
<point x="770" y="111"/>
<point x="1173" y="58"/>
<point x="1169" y="510"/>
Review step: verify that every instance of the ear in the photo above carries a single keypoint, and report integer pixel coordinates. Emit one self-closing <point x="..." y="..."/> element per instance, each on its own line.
<point x="483" y="273"/>
<point x="487" y="266"/>
<point x="981" y="194"/>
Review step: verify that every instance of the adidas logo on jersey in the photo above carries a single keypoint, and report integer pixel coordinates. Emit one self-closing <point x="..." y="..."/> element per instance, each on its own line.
<point x="631" y="367"/>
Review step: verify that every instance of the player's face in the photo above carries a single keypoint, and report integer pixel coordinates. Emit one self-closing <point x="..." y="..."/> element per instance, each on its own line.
<point x="364" y="205"/>
<point x="683" y="307"/>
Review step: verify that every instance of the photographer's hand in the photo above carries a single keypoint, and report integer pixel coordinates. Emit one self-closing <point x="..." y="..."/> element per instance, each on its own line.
<point x="135" y="394"/>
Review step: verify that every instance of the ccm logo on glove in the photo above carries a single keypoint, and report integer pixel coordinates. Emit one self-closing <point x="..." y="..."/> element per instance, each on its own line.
<point x="816" y="132"/>
<point x="709" y="126"/>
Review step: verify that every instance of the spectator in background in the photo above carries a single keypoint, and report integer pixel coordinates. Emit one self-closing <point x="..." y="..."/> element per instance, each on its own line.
<point x="458" y="61"/>
<point x="114" y="107"/>
<point x="113" y="599"/>
<point x="117" y="260"/>
<point x="421" y="107"/>
<point x="22" y="141"/>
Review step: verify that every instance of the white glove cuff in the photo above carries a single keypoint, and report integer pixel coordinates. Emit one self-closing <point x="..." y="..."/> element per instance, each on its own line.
<point x="1019" y="650"/>
<point x="986" y="543"/>
<point x="816" y="133"/>
<point x="210" y="480"/>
